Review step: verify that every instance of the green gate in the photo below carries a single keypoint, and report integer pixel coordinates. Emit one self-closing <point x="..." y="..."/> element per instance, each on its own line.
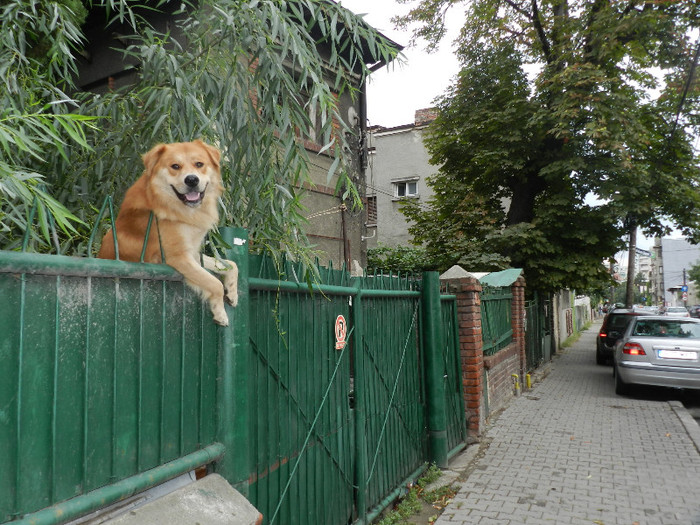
<point x="302" y="432"/>
<point x="538" y="334"/>
<point x="452" y="370"/>
<point x="318" y="402"/>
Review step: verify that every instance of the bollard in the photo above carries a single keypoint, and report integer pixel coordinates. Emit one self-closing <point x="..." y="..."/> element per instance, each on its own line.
<point x="516" y="383"/>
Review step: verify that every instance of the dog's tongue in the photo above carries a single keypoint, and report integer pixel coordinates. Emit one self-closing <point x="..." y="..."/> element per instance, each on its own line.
<point x="192" y="196"/>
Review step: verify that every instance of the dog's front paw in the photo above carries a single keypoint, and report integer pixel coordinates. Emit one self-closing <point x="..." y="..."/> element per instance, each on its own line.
<point x="231" y="296"/>
<point x="219" y="313"/>
<point x="231" y="285"/>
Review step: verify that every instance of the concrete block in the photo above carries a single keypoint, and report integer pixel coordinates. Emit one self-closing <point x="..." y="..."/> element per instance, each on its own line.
<point x="208" y="501"/>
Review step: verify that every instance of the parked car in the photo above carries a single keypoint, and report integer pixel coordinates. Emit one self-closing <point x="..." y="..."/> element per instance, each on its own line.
<point x="694" y="311"/>
<point x="660" y="351"/>
<point x="676" y="311"/>
<point x="616" y="322"/>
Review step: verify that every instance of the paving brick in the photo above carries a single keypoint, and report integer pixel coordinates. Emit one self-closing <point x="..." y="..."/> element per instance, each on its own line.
<point x="571" y="452"/>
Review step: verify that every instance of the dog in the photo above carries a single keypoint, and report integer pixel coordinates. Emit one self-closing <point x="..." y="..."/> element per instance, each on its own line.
<point x="181" y="185"/>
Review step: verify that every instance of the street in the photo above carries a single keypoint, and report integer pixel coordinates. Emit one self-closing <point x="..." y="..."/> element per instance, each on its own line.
<point x="571" y="451"/>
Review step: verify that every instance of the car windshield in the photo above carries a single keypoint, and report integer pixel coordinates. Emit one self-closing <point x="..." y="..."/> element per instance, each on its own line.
<point x="619" y="322"/>
<point x="676" y="309"/>
<point x="662" y="328"/>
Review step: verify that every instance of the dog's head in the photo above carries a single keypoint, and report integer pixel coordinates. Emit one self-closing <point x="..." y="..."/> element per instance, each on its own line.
<point x="185" y="171"/>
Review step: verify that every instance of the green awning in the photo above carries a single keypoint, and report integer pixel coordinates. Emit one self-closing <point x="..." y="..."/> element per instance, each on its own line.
<point x="502" y="278"/>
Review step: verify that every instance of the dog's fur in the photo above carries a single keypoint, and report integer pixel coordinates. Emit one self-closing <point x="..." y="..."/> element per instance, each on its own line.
<point x="181" y="185"/>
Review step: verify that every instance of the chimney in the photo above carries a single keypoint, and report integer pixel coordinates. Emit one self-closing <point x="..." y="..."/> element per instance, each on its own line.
<point x="425" y="116"/>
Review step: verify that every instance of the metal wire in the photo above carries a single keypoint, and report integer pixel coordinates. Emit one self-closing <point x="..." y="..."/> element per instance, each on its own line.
<point x="311" y="430"/>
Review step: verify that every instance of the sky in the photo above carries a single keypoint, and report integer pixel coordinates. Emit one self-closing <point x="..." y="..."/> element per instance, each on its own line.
<point x="394" y="93"/>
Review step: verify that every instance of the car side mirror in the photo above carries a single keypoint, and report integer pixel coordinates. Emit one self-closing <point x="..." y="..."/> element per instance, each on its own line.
<point x="614" y="335"/>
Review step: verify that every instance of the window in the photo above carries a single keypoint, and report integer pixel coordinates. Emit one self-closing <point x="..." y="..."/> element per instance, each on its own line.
<point x="372" y="210"/>
<point x="406" y="188"/>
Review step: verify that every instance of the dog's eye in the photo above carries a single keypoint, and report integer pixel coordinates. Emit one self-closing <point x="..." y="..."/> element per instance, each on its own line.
<point x="199" y="164"/>
<point x="175" y="166"/>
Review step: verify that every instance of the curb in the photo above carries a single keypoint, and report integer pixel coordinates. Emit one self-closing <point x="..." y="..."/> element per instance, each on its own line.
<point x="691" y="426"/>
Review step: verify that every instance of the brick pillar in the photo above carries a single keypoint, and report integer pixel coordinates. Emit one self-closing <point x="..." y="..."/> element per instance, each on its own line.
<point x="468" y="291"/>
<point x="518" y="322"/>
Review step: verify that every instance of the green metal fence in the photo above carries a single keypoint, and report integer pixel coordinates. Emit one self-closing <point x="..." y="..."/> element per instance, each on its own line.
<point x="109" y="370"/>
<point x="317" y="403"/>
<point x="497" y="331"/>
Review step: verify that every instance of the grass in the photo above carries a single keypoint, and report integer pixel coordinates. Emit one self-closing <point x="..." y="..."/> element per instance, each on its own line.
<point x="418" y="499"/>
<point x="575" y="336"/>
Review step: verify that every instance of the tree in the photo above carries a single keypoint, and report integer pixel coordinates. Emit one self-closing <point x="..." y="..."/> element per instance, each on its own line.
<point x="404" y="259"/>
<point x="36" y="119"/>
<point x="247" y="79"/>
<point x="550" y="131"/>
<point x="694" y="273"/>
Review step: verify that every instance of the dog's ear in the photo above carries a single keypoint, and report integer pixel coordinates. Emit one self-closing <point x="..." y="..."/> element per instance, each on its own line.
<point x="151" y="158"/>
<point x="214" y="153"/>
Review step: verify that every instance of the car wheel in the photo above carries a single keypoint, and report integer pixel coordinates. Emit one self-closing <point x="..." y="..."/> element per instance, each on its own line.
<point x="621" y="388"/>
<point x="600" y="358"/>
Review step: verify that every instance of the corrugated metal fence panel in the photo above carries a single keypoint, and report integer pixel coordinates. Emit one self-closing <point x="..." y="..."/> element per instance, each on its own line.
<point x="102" y="378"/>
<point x="454" y="401"/>
<point x="303" y="430"/>
<point x="496" y="328"/>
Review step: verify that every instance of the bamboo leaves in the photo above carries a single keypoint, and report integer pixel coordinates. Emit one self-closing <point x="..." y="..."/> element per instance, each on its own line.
<point x="250" y="77"/>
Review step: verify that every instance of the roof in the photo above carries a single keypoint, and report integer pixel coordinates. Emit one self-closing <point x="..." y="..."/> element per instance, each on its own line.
<point x="502" y="278"/>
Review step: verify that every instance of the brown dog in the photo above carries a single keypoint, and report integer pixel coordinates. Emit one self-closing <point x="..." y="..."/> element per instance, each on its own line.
<point x="181" y="185"/>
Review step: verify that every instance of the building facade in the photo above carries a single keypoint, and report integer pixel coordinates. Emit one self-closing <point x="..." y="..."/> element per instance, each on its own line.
<point x="670" y="261"/>
<point x="398" y="169"/>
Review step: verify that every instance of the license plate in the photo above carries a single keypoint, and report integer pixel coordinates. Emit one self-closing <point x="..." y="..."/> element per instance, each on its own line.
<point x="677" y="354"/>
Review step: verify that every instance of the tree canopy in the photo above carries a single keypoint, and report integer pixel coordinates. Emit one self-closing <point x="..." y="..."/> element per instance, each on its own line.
<point x="694" y="273"/>
<point x="570" y="121"/>
<point x="243" y="75"/>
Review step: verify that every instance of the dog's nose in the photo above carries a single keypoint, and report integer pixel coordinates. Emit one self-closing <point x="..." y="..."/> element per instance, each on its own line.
<point x="192" y="180"/>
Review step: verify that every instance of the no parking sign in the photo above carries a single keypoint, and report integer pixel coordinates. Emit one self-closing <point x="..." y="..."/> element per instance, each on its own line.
<point x="341" y="332"/>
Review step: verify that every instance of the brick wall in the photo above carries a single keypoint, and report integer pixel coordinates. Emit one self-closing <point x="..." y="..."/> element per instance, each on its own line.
<point x="499" y="369"/>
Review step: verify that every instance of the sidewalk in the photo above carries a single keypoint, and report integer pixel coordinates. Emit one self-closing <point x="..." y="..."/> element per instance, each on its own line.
<point x="572" y="452"/>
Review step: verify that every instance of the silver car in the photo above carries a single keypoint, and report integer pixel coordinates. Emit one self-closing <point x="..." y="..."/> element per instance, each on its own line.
<point x="677" y="311"/>
<point x="658" y="351"/>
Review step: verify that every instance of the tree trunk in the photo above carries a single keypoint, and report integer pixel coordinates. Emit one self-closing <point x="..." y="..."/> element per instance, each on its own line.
<point x="629" y="298"/>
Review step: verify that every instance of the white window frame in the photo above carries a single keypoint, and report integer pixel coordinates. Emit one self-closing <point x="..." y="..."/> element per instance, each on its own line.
<point x="405" y="183"/>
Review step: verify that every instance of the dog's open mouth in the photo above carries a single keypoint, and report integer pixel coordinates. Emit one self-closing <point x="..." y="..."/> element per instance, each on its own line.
<point x="191" y="198"/>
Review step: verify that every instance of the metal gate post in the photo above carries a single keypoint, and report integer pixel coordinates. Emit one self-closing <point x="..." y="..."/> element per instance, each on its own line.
<point x="433" y="345"/>
<point x="234" y="418"/>
<point x="359" y="410"/>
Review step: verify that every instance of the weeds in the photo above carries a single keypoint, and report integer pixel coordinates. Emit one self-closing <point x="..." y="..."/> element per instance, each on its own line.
<point x="417" y="498"/>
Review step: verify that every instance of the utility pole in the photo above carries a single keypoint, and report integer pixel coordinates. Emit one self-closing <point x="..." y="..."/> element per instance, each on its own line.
<point x="629" y="295"/>
<point x="612" y="286"/>
<point x="685" y="290"/>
